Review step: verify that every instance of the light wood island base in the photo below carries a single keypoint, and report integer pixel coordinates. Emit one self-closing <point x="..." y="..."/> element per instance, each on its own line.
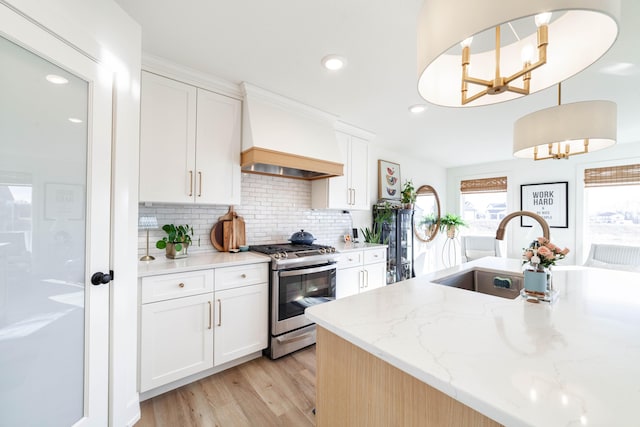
<point x="355" y="388"/>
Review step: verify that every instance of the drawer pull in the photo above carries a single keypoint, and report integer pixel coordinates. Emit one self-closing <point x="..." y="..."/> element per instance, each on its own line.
<point x="190" y="183"/>
<point x="210" y="315"/>
<point x="181" y="285"/>
<point x="200" y="190"/>
<point x="244" y="276"/>
<point x="219" y="312"/>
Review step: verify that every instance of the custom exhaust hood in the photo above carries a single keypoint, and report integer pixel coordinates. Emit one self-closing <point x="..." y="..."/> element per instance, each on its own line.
<point x="282" y="137"/>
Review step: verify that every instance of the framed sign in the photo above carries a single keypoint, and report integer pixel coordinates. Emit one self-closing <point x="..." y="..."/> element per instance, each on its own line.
<point x="549" y="200"/>
<point x="63" y="201"/>
<point x="388" y="180"/>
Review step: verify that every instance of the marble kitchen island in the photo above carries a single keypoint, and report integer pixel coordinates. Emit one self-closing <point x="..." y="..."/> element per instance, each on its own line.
<point x="418" y="353"/>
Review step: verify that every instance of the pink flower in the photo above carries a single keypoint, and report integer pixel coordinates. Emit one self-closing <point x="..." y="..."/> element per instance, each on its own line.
<point x="543" y="240"/>
<point x="564" y="251"/>
<point x="528" y="254"/>
<point x="545" y="252"/>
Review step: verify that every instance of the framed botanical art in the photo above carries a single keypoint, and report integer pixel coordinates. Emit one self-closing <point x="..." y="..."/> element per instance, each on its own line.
<point x="549" y="200"/>
<point x="389" y="180"/>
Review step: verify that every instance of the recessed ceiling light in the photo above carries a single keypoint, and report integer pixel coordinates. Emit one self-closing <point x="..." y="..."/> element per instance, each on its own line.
<point x="333" y="62"/>
<point x="75" y="120"/>
<point x="418" y="108"/>
<point x="56" y="80"/>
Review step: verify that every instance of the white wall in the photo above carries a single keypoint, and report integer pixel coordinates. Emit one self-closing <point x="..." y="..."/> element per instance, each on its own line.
<point x="521" y="171"/>
<point x="103" y="31"/>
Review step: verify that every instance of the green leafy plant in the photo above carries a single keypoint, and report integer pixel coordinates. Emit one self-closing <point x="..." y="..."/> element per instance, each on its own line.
<point x="382" y="214"/>
<point x="178" y="235"/>
<point x="451" y="221"/>
<point x="408" y="192"/>
<point x="371" y="235"/>
<point x="428" y="219"/>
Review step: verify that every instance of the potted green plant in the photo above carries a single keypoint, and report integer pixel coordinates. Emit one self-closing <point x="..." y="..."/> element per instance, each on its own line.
<point x="429" y="222"/>
<point x="177" y="240"/>
<point x="408" y="194"/>
<point x="371" y="236"/>
<point x="451" y="223"/>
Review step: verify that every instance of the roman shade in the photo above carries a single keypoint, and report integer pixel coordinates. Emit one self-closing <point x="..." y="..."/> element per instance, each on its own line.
<point x="614" y="175"/>
<point x="484" y="185"/>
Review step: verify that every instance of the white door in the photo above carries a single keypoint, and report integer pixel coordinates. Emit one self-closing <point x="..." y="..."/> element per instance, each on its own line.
<point x="55" y="161"/>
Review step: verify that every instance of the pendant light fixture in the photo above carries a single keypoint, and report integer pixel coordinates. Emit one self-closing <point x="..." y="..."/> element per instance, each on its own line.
<point x="480" y="52"/>
<point x="565" y="130"/>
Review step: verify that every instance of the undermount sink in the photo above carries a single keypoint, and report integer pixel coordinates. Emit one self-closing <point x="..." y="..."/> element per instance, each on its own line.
<point x="500" y="284"/>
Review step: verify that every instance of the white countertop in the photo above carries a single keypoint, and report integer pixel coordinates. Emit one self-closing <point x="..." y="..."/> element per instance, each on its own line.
<point x="349" y="247"/>
<point x="575" y="362"/>
<point x="162" y="265"/>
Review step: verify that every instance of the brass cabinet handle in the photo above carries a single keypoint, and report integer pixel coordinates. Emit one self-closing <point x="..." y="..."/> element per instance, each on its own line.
<point x="190" y="183"/>
<point x="200" y="179"/>
<point x="219" y="312"/>
<point x="181" y="285"/>
<point x="244" y="276"/>
<point x="210" y="315"/>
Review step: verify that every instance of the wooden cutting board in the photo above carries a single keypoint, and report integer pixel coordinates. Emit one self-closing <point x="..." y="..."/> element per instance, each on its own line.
<point x="239" y="231"/>
<point x="217" y="236"/>
<point x="233" y="232"/>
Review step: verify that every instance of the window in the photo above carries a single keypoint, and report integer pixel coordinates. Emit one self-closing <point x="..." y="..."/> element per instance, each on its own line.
<point x="612" y="202"/>
<point x="483" y="204"/>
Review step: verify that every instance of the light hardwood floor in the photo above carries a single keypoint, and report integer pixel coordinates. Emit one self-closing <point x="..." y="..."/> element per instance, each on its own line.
<point x="262" y="392"/>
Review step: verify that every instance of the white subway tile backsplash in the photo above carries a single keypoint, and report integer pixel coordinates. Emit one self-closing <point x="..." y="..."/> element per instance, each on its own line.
<point x="273" y="209"/>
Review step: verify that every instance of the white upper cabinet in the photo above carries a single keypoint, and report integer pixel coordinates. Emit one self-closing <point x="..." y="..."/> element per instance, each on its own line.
<point x="350" y="191"/>
<point x="189" y="144"/>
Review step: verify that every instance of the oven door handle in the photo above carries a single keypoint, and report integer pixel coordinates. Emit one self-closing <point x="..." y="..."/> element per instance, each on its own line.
<point x="287" y="273"/>
<point x="284" y="340"/>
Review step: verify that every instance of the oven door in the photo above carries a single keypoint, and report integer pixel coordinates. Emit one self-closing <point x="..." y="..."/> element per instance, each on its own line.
<point x="296" y="289"/>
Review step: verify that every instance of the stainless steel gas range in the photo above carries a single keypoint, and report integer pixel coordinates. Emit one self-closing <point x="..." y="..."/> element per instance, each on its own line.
<point x="301" y="276"/>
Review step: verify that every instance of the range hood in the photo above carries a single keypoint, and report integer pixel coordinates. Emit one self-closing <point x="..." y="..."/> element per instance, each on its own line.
<point x="282" y="137"/>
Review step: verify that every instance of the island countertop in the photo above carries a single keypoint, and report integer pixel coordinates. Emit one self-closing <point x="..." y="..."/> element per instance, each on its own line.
<point x="574" y="362"/>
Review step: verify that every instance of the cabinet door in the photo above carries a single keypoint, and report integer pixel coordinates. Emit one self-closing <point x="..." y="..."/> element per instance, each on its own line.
<point x="176" y="339"/>
<point x="241" y="322"/>
<point x="339" y="185"/>
<point x="375" y="275"/>
<point x="359" y="173"/>
<point x="217" y="175"/>
<point x="167" y="140"/>
<point x="348" y="281"/>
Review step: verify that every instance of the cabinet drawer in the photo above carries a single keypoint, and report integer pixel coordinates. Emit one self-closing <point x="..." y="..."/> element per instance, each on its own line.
<point x="242" y="275"/>
<point x="376" y="255"/>
<point x="349" y="259"/>
<point x="176" y="285"/>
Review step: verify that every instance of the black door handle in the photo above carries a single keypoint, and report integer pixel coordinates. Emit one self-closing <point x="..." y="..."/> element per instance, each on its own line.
<point x="101" y="278"/>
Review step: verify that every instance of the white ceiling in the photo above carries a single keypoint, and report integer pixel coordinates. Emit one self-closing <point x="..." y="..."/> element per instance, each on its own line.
<point x="278" y="45"/>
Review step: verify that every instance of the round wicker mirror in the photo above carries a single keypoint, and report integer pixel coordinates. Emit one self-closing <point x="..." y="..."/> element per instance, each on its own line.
<point x="426" y="218"/>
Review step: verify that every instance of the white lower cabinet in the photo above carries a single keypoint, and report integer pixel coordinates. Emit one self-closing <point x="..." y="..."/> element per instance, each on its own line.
<point x="360" y="271"/>
<point x="240" y="322"/>
<point x="183" y="334"/>
<point x="176" y="339"/>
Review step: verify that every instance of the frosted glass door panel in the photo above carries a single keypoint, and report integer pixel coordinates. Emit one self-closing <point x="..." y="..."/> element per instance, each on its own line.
<point x="43" y="184"/>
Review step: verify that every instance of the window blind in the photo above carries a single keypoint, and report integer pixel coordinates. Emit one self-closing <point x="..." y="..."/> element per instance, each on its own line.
<point x="614" y="175"/>
<point x="485" y="185"/>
